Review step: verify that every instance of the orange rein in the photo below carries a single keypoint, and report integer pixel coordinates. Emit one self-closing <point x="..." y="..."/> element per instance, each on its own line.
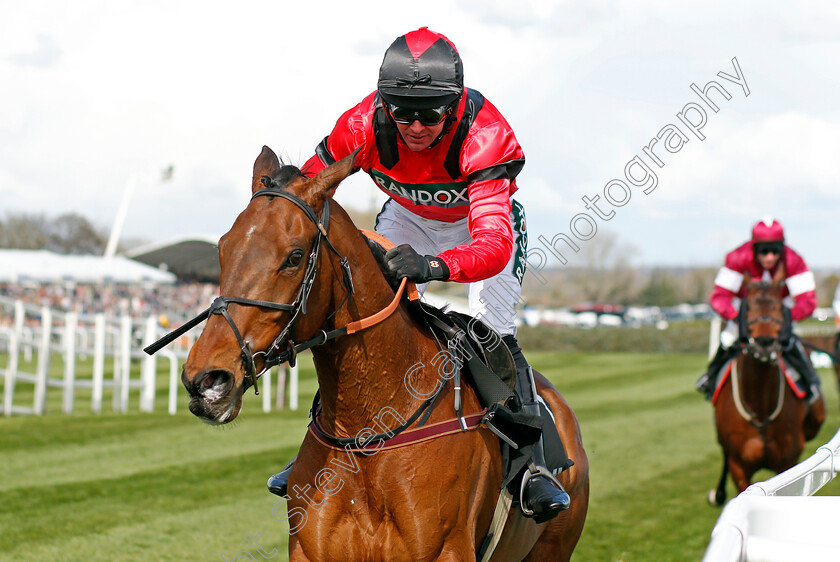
<point x="374" y="319"/>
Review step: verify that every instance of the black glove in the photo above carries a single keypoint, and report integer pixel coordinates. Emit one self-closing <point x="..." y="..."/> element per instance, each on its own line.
<point x="403" y="261"/>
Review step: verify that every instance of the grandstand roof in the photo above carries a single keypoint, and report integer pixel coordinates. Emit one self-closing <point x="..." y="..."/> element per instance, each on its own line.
<point x="48" y="267"/>
<point x="189" y="257"/>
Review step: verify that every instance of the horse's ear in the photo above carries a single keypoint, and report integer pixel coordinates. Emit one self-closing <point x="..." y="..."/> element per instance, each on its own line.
<point x="324" y="183"/>
<point x="747" y="280"/>
<point x="266" y="164"/>
<point x="779" y="276"/>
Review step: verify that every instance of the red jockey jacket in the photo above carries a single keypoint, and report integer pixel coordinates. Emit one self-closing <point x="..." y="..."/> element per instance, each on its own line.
<point x="729" y="283"/>
<point x="468" y="172"/>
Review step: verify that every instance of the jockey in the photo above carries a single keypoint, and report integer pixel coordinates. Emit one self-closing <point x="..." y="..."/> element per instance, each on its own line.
<point x="760" y="258"/>
<point x="448" y="160"/>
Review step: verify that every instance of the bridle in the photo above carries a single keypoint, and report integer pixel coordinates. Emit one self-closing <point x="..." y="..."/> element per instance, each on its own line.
<point x="763" y="354"/>
<point x="277" y="353"/>
<point x="748" y="343"/>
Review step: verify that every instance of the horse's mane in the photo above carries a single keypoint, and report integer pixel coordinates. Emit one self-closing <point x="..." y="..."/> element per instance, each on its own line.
<point x="379" y="255"/>
<point x="765" y="285"/>
<point x="414" y="306"/>
<point x="285" y="175"/>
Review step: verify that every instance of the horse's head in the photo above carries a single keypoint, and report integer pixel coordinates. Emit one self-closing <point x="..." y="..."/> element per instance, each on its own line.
<point x="269" y="260"/>
<point x="764" y="317"/>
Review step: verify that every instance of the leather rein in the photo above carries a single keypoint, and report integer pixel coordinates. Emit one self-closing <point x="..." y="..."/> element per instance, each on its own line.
<point x="277" y="352"/>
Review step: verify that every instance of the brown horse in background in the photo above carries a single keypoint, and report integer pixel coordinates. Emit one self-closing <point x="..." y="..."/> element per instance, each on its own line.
<point x="430" y="500"/>
<point x="760" y="421"/>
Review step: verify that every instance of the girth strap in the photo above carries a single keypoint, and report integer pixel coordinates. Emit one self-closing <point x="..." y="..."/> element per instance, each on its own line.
<point x="408" y="437"/>
<point x="343" y="442"/>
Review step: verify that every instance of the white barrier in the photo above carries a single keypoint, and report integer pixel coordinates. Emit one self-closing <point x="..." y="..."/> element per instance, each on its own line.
<point x="714" y="335"/>
<point x="118" y="340"/>
<point x="777" y="520"/>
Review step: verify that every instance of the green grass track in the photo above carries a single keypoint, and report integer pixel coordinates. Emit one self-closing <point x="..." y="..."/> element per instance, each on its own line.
<point x="142" y="486"/>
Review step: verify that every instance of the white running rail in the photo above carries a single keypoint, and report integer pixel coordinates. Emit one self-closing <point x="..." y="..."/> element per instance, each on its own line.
<point x="778" y="520"/>
<point x="38" y="333"/>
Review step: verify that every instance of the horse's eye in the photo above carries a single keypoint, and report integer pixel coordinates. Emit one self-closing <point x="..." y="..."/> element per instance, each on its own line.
<point x="294" y="259"/>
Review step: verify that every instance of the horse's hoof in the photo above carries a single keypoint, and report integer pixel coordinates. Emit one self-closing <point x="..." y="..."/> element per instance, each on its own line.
<point x="713" y="499"/>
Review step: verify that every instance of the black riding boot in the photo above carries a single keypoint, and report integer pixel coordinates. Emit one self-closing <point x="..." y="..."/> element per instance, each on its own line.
<point x="707" y="381"/>
<point x="278" y="483"/>
<point x="796" y="357"/>
<point x="541" y="494"/>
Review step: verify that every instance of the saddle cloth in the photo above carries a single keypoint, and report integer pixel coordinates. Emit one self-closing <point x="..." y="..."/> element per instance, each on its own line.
<point x="792" y="376"/>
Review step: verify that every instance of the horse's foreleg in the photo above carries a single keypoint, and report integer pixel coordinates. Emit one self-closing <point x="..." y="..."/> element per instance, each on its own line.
<point x="296" y="551"/>
<point x="456" y="553"/>
<point x="814" y="418"/>
<point x="740" y="475"/>
<point x="718" y="495"/>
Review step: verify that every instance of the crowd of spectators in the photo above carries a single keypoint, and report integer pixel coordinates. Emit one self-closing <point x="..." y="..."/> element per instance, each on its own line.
<point x="173" y="304"/>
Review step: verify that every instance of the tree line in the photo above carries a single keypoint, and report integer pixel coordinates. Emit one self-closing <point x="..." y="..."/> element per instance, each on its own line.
<point x="604" y="273"/>
<point x="69" y="233"/>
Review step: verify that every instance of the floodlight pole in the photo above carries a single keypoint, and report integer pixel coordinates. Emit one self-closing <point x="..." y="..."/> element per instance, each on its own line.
<point x="116" y="230"/>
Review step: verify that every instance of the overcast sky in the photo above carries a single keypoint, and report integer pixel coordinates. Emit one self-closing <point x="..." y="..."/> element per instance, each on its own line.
<point x="95" y="93"/>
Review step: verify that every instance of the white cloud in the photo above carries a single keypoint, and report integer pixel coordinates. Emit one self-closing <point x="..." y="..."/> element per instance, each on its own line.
<point x="95" y="92"/>
<point x="784" y="161"/>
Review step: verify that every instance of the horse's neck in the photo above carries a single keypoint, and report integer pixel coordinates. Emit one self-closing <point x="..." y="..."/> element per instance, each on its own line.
<point x="759" y="384"/>
<point x="372" y="381"/>
<point x="362" y="377"/>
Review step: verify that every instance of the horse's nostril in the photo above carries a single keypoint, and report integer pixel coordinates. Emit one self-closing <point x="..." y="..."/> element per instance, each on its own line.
<point x="215" y="380"/>
<point x="210" y="381"/>
<point x="765" y="342"/>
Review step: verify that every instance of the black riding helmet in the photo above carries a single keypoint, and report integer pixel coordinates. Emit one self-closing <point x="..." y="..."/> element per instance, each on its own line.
<point x="421" y="70"/>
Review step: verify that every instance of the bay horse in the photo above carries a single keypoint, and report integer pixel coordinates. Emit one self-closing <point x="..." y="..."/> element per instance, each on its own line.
<point x="760" y="420"/>
<point x="431" y="500"/>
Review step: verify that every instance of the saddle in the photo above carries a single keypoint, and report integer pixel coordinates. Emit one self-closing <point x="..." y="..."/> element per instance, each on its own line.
<point x="478" y="347"/>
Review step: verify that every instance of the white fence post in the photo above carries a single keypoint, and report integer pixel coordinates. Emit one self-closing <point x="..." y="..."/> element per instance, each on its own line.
<point x="77" y="337"/>
<point x="266" y="391"/>
<point x="293" y="388"/>
<point x="147" y="392"/>
<point x="40" y="401"/>
<point x="27" y="342"/>
<point x="12" y="367"/>
<point x="98" y="362"/>
<point x="115" y="335"/>
<point x="70" y="321"/>
<point x="173" y="379"/>
<point x="125" y="361"/>
<point x="280" y="401"/>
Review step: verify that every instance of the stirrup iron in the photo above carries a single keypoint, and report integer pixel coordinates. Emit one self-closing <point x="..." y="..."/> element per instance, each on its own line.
<point x="533" y="471"/>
